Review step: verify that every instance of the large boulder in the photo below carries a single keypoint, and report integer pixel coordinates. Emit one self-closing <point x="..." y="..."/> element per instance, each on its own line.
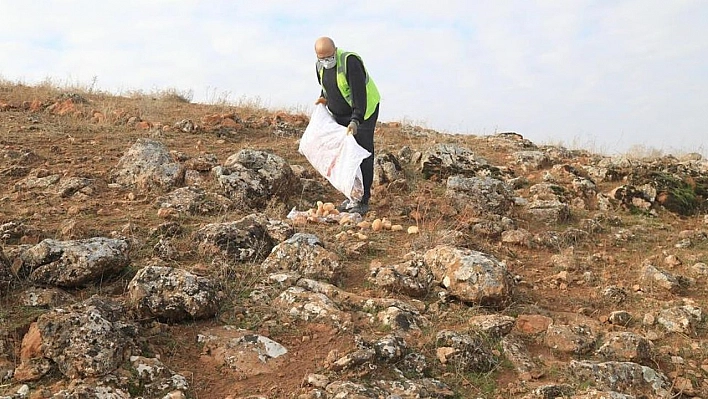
<point x="306" y="255"/>
<point x="683" y="319"/>
<point x="148" y="165"/>
<point x="243" y="240"/>
<point x="243" y="186"/>
<point x="480" y="195"/>
<point x="316" y="307"/>
<point x="173" y="295"/>
<point x="625" y="377"/>
<point x="412" y="277"/>
<point x="530" y="160"/>
<point x="194" y="201"/>
<point x="625" y="346"/>
<point x="444" y="160"/>
<point x="254" y="176"/>
<point x="88" y="339"/>
<point x="73" y="263"/>
<point x="471" y="276"/>
<point x="388" y="170"/>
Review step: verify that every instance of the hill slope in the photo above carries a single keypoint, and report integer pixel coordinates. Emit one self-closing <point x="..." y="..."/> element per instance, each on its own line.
<point x="147" y="252"/>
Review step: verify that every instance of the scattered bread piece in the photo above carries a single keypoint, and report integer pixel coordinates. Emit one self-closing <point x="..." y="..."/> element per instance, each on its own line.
<point x="376" y="225"/>
<point x="413" y="230"/>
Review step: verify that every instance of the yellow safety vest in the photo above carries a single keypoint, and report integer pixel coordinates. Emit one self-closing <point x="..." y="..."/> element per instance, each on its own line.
<point x="372" y="93"/>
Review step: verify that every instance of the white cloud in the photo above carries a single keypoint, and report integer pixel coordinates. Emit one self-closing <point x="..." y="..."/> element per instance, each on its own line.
<point x="613" y="74"/>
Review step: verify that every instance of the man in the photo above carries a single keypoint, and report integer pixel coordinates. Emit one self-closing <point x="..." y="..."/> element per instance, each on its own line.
<point x="353" y="100"/>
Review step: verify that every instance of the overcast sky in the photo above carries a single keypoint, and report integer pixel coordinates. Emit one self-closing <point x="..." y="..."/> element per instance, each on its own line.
<point x="600" y="75"/>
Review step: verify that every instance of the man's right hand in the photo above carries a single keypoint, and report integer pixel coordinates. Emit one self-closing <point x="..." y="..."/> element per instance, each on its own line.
<point x="321" y="100"/>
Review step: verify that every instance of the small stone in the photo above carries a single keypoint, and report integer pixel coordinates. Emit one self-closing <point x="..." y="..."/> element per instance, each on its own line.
<point x="649" y="319"/>
<point x="444" y="353"/>
<point x="620" y="317"/>
<point x="317" y="380"/>
<point x="685" y="243"/>
<point x="672" y="261"/>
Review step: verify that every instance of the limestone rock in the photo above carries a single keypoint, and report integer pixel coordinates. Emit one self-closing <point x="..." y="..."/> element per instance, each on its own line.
<point x="444" y="160"/>
<point x="479" y="195"/>
<point x="578" y="339"/>
<point x="156" y="379"/>
<point x="73" y="263"/>
<point x="306" y="255"/>
<point x="625" y="377"/>
<point x="243" y="240"/>
<point x="148" y="165"/>
<point x="194" y="201"/>
<point x="45" y="297"/>
<point x="88" y="339"/>
<point x="400" y="320"/>
<point x="626" y="347"/>
<point x="410" y="278"/>
<point x="271" y="172"/>
<point x="467" y="352"/>
<point x="388" y="170"/>
<point x="652" y="277"/>
<point x="172" y="294"/>
<point x="548" y="211"/>
<point x="492" y="325"/>
<point x="311" y="306"/>
<point x="680" y="319"/>
<point x="469" y="275"/>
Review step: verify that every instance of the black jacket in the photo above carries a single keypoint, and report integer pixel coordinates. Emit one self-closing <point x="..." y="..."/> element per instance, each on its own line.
<point x="337" y="105"/>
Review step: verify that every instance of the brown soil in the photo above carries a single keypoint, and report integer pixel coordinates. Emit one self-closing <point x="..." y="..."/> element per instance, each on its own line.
<point x="78" y="143"/>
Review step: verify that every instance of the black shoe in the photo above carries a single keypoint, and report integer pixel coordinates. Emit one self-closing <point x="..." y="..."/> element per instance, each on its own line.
<point x="344" y="206"/>
<point x="359" y="208"/>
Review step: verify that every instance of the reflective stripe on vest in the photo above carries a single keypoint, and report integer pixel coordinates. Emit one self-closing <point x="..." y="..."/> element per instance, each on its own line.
<point x="372" y="92"/>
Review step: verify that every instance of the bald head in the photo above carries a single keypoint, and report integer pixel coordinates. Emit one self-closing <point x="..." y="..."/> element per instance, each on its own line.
<point x="324" y="47"/>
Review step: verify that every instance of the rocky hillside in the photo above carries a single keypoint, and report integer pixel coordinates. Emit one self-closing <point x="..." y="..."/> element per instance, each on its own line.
<point x="155" y="248"/>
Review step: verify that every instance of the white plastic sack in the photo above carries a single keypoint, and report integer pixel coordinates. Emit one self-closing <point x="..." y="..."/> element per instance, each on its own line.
<point x="333" y="153"/>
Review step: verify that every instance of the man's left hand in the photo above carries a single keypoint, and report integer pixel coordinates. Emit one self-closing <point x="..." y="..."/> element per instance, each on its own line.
<point x="351" y="129"/>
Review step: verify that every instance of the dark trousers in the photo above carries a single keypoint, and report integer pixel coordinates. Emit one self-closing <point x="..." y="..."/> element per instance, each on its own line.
<point x="365" y="138"/>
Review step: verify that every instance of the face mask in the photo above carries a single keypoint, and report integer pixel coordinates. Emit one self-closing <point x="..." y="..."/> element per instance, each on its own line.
<point x="327" y="63"/>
